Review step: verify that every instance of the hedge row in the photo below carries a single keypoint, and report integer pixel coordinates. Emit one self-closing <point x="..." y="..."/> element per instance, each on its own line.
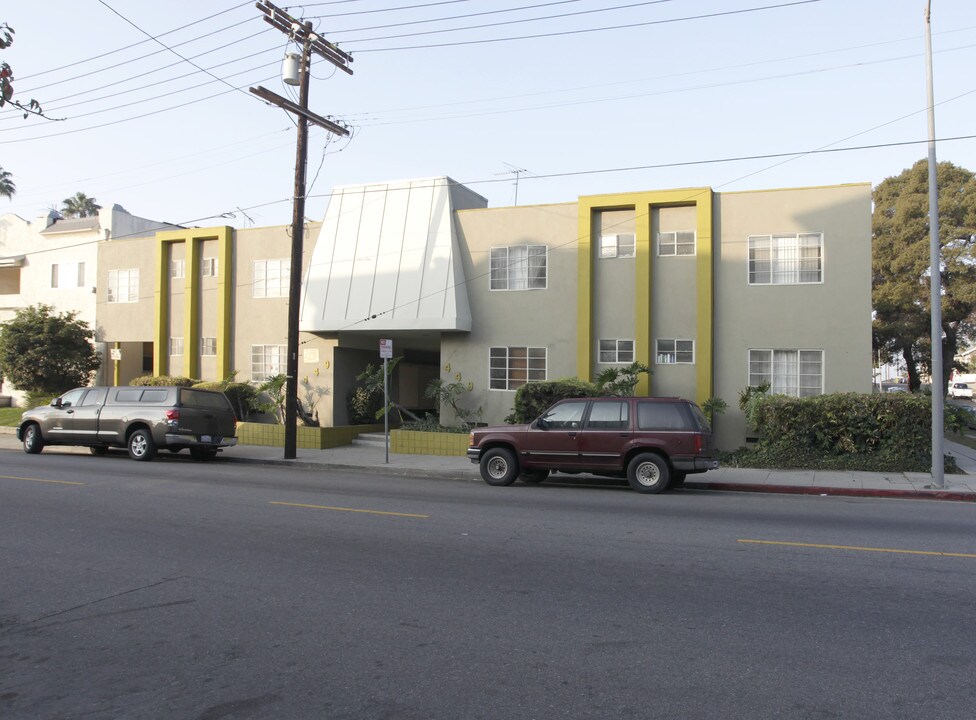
<point x="844" y="431"/>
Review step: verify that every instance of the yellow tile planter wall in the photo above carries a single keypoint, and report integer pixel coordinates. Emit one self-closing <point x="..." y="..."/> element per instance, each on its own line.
<point x="415" y="442"/>
<point x="309" y="438"/>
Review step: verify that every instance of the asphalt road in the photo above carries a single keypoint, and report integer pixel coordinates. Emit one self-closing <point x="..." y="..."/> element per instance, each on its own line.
<point x="176" y="589"/>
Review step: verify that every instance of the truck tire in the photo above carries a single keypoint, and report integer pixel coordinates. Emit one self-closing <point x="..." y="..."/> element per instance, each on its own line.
<point x="141" y="445"/>
<point x="648" y="473"/>
<point x="499" y="467"/>
<point x="33" y="440"/>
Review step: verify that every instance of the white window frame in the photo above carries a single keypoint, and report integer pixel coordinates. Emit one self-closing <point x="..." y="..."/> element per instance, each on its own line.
<point x="208" y="347"/>
<point x="261" y="287"/>
<point x="518" y="273"/>
<point x="618" y="246"/>
<point x="209" y="266"/>
<point x="267" y="361"/>
<point x="677" y="240"/>
<point x="674" y="351"/>
<point x="611" y="351"/>
<point x="785" y="258"/>
<point x="501" y="366"/>
<point x="177" y="269"/>
<point x="786" y="368"/>
<point x="123" y="285"/>
<point x="67" y="276"/>
<point x="175" y="347"/>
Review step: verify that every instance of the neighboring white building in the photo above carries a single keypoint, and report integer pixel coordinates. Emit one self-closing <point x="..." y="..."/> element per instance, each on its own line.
<point x="53" y="261"/>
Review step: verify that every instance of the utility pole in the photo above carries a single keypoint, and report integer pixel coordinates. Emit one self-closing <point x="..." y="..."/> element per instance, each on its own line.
<point x="935" y="274"/>
<point x="310" y="42"/>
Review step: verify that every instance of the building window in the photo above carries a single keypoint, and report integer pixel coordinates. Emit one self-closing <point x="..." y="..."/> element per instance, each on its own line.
<point x="267" y="361"/>
<point x="208" y="346"/>
<point x="786" y="259"/>
<point x="788" y="372"/>
<point x="670" y="352"/>
<point x="617" y="246"/>
<point x="271" y="278"/>
<point x="518" y="268"/>
<point x="681" y="242"/>
<point x="177" y="269"/>
<point x="68" y="275"/>
<point x="176" y="346"/>
<point x="123" y="285"/>
<point x="210" y="267"/>
<point x="509" y="368"/>
<point x="616" y="351"/>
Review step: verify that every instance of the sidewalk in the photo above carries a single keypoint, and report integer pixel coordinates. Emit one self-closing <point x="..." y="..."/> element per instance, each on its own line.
<point x="369" y="454"/>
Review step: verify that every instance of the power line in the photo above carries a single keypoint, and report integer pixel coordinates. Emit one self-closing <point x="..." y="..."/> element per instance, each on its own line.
<point x="500" y="24"/>
<point x="585" y="30"/>
<point x="160" y="42"/>
<point x="141" y="42"/>
<point x="451" y="17"/>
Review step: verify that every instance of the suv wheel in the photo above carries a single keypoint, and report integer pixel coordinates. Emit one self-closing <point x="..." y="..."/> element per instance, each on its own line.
<point x="33" y="441"/>
<point x="141" y="445"/>
<point x="648" y="473"/>
<point x="499" y="467"/>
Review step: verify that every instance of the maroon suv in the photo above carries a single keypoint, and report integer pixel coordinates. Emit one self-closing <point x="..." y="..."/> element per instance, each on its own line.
<point x="655" y="442"/>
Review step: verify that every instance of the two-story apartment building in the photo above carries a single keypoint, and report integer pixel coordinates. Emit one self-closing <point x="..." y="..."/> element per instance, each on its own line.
<point x="54" y="261"/>
<point x="714" y="291"/>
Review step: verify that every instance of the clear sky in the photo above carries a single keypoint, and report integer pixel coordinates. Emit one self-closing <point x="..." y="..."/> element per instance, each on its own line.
<point x="585" y="96"/>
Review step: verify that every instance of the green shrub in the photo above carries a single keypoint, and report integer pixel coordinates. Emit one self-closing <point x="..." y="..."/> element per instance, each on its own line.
<point x="533" y="398"/>
<point x="430" y="424"/>
<point x="162" y="380"/>
<point x="842" y="431"/>
<point x="243" y="396"/>
<point x="38" y="398"/>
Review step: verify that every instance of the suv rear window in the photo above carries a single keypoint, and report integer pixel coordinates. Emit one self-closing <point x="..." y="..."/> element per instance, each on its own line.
<point x="199" y="399"/>
<point x="663" y="416"/>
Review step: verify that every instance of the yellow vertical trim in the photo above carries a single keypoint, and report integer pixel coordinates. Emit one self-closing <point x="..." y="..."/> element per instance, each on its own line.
<point x="117" y="370"/>
<point x="644" y="204"/>
<point x="161" y="331"/>
<point x="191" y="306"/>
<point x="225" y="287"/>
<point x="584" y="292"/>
<point x="193" y="238"/>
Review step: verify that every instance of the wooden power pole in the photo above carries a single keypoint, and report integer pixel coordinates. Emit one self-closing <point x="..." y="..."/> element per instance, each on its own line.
<point x="310" y="43"/>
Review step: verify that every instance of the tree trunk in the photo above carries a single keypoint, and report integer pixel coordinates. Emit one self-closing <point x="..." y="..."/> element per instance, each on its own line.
<point x="914" y="383"/>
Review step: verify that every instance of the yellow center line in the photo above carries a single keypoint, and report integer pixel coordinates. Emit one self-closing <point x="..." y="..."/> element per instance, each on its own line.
<point x="30" y="479"/>
<point x="862" y="549"/>
<point x="355" y="510"/>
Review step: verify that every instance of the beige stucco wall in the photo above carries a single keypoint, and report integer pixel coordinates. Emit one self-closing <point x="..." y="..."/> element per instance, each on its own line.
<point x="533" y="318"/>
<point x="834" y="315"/>
<point x="674" y="311"/>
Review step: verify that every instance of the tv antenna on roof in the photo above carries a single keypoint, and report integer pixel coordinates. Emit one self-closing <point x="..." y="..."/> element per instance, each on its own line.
<point x="517" y="172"/>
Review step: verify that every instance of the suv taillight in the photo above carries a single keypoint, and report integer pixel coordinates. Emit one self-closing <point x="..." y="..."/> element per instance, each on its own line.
<point x="699" y="443"/>
<point x="172" y="414"/>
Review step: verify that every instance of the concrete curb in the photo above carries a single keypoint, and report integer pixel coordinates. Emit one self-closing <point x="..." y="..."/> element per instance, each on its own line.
<point x="833" y="491"/>
<point x="384" y="469"/>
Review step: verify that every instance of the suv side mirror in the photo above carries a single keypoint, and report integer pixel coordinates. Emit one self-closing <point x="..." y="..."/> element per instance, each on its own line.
<point x="542" y="424"/>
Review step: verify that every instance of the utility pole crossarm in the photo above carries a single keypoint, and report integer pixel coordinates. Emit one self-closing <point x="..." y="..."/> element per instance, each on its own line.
<point x="288" y="105"/>
<point x="302" y="33"/>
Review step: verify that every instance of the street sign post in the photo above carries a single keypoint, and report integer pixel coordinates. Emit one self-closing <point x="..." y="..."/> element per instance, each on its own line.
<point x="386" y="352"/>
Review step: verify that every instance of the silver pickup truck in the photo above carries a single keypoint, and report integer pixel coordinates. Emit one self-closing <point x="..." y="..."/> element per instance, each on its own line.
<point x="141" y="419"/>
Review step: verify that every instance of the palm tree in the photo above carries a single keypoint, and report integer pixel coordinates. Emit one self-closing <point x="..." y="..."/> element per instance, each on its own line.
<point x="79" y="206"/>
<point x="7" y="187"/>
